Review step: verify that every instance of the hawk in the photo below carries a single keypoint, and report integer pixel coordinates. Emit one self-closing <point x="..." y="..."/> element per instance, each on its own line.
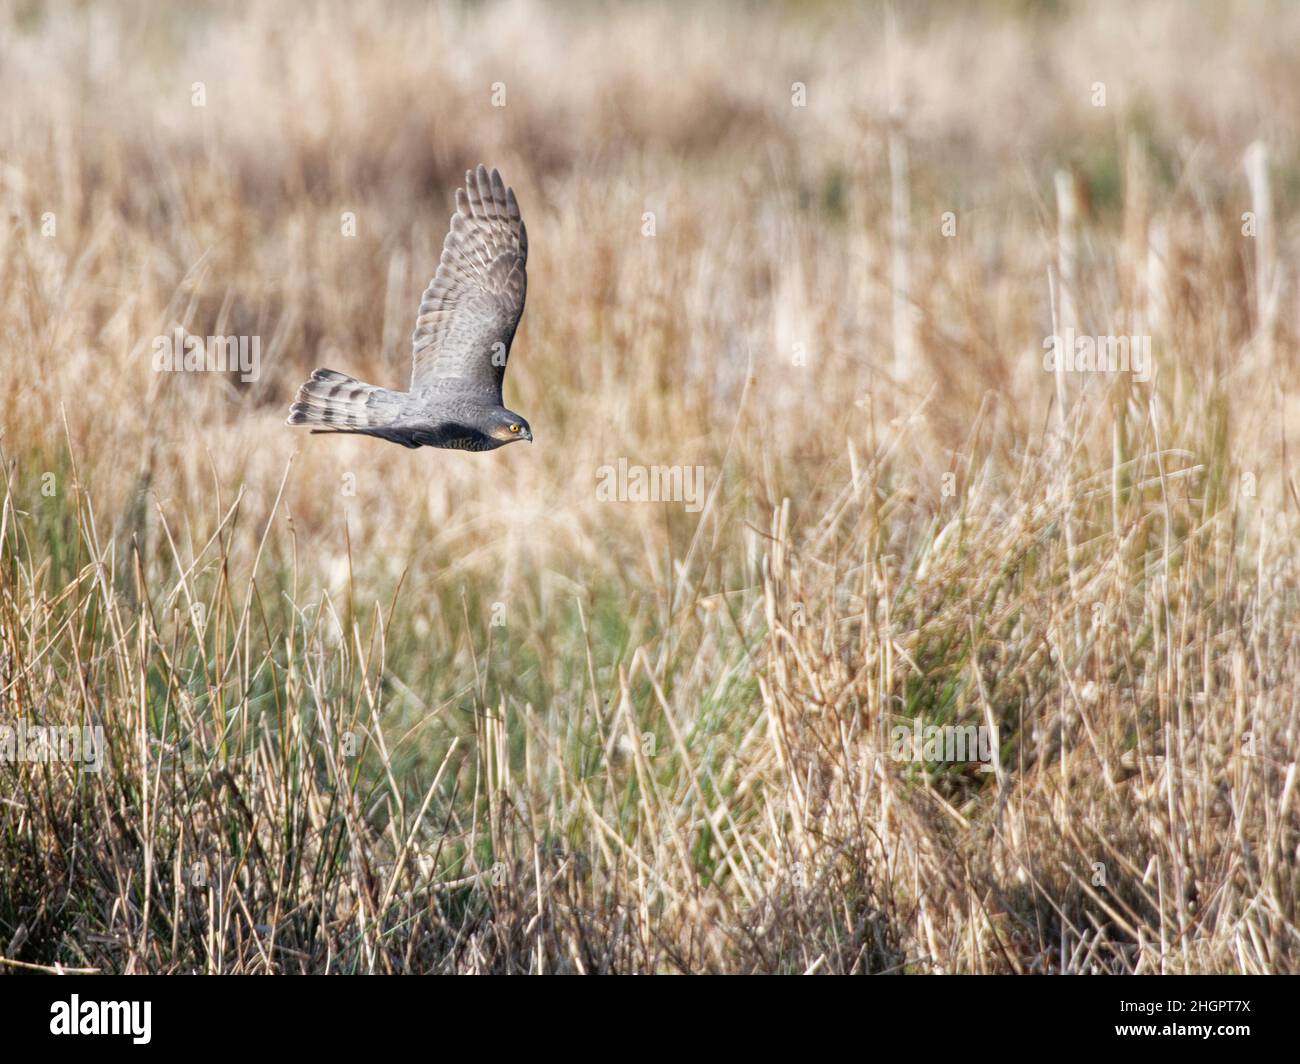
<point x="466" y="322"/>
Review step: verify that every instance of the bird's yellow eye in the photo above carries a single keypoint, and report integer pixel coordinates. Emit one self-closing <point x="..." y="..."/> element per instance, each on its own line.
<point x="514" y="429"/>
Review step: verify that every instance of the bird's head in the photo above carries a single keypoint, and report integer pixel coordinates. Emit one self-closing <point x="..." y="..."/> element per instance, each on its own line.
<point x="507" y="426"/>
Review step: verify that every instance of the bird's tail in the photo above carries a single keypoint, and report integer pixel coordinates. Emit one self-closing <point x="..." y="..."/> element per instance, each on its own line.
<point x="338" y="403"/>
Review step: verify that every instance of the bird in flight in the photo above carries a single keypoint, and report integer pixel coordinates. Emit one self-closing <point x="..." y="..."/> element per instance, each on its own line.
<point x="467" y="319"/>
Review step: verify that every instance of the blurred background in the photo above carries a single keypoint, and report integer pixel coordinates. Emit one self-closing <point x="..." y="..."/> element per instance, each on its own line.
<point x="814" y="248"/>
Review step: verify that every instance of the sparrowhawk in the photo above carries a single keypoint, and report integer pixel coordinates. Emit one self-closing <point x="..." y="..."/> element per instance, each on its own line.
<point x="463" y="331"/>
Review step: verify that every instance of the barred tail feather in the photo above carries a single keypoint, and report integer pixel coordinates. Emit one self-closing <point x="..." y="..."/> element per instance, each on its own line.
<point x="339" y="403"/>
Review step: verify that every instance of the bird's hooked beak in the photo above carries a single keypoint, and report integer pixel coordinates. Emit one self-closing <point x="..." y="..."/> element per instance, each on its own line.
<point x="528" y="435"/>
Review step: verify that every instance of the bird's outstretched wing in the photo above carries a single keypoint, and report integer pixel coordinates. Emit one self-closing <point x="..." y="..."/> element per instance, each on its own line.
<point x="472" y="306"/>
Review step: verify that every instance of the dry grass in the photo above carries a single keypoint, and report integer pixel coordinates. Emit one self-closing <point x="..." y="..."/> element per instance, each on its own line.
<point x="674" y="754"/>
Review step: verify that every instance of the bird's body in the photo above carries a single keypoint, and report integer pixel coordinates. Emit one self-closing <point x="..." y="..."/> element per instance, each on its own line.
<point x="463" y="331"/>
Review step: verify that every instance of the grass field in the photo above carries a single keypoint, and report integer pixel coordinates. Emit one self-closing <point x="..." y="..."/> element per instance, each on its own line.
<point x="366" y="709"/>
